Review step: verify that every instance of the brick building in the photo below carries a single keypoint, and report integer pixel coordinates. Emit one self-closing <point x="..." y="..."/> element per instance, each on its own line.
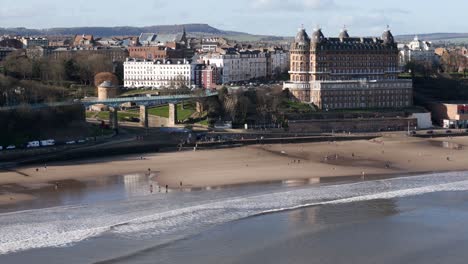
<point x="347" y="72"/>
<point x="155" y="52"/>
<point x="113" y="54"/>
<point x="206" y="76"/>
<point x="83" y="41"/>
<point x="450" y="114"/>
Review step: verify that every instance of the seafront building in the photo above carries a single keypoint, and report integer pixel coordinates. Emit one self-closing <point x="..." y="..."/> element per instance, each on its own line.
<point x="347" y="72"/>
<point x="450" y="114"/>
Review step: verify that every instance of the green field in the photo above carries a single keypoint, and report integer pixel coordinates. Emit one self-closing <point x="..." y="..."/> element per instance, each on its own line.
<point x="297" y="107"/>
<point x="182" y="114"/>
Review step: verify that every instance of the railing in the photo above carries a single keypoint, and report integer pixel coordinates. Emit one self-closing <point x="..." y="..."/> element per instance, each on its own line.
<point x="149" y="99"/>
<point x="116" y="101"/>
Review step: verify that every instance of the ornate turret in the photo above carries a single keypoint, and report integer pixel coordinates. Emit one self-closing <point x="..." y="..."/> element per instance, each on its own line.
<point x="344" y="33"/>
<point x="387" y="37"/>
<point x="318" y="36"/>
<point x="302" y="40"/>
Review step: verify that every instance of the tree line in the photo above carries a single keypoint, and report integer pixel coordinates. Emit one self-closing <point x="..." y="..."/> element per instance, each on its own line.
<point x="246" y="106"/>
<point x="80" y="68"/>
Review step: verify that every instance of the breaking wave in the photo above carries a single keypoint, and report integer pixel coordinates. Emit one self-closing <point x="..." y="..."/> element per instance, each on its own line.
<point x="184" y="213"/>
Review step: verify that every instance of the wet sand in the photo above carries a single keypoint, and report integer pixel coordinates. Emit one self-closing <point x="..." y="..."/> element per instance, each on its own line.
<point x="391" y="155"/>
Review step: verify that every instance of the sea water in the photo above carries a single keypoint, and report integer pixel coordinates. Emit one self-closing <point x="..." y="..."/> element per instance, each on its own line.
<point x="187" y="226"/>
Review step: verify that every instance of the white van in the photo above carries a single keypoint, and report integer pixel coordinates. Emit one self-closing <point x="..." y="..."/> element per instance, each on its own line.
<point x="33" y="144"/>
<point x="48" y="142"/>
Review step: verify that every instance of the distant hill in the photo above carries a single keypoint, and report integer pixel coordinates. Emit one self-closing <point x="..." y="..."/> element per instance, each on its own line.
<point x="436" y="37"/>
<point x="199" y="30"/>
<point x="192" y="29"/>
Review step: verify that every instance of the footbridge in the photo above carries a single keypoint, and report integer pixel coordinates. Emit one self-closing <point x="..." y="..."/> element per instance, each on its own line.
<point x="147" y="101"/>
<point x="142" y="101"/>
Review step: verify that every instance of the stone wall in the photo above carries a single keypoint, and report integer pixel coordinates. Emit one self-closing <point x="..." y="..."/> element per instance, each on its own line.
<point x="352" y="125"/>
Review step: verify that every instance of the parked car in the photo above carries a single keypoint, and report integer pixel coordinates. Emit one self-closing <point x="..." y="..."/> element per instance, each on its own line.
<point x="1" y="147"/>
<point x="430" y="132"/>
<point x="81" y="141"/>
<point x="11" y="147"/>
<point x="70" y="142"/>
<point x="448" y="131"/>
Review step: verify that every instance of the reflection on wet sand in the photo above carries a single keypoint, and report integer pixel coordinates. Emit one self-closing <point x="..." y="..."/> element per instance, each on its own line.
<point x="447" y="145"/>
<point x="72" y="192"/>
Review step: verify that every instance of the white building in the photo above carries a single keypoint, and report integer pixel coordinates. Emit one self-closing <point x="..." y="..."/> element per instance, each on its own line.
<point x="34" y="42"/>
<point x="237" y="66"/>
<point x="158" y="73"/>
<point x="417" y="51"/>
<point x="279" y="62"/>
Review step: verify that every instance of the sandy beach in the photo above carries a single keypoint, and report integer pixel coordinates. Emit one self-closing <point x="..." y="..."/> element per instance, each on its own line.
<point x="389" y="155"/>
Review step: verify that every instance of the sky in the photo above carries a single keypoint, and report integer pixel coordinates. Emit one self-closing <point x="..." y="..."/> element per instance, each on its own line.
<point x="266" y="17"/>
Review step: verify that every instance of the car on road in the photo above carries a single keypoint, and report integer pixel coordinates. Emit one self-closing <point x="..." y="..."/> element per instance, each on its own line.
<point x="448" y="131"/>
<point x="430" y="132"/>
<point x="11" y="147"/>
<point x="70" y="142"/>
<point x="1" y="147"/>
<point x="81" y="141"/>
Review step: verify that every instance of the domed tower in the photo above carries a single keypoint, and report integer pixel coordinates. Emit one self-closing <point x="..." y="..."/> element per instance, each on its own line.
<point x="299" y="85"/>
<point x="317" y="36"/>
<point x="300" y="57"/>
<point x="317" y="66"/>
<point x="106" y="90"/>
<point x="387" y="37"/>
<point x="343" y="34"/>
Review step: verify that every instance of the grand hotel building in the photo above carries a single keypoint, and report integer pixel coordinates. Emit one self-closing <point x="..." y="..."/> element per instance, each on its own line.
<point x="347" y="72"/>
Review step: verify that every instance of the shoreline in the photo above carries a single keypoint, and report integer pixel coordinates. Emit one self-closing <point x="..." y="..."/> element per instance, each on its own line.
<point x="388" y="156"/>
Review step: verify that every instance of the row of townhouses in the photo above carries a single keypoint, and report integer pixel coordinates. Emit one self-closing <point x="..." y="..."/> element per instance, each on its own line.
<point x="206" y="69"/>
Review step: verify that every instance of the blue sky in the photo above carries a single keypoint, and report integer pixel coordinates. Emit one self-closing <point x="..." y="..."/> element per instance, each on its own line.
<point x="272" y="17"/>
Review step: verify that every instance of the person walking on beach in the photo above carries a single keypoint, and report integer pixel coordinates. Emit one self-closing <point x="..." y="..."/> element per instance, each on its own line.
<point x="151" y="188"/>
<point x="167" y="188"/>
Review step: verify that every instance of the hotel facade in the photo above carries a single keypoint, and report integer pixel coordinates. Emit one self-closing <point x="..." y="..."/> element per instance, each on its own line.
<point x="347" y="72"/>
<point x="158" y="73"/>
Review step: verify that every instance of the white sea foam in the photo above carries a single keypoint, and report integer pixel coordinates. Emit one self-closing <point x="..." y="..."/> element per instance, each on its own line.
<point x="184" y="213"/>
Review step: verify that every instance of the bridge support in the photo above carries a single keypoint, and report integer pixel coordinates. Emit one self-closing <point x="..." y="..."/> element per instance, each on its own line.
<point x="199" y="107"/>
<point x="113" y="118"/>
<point x="172" y="114"/>
<point x="144" y="116"/>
